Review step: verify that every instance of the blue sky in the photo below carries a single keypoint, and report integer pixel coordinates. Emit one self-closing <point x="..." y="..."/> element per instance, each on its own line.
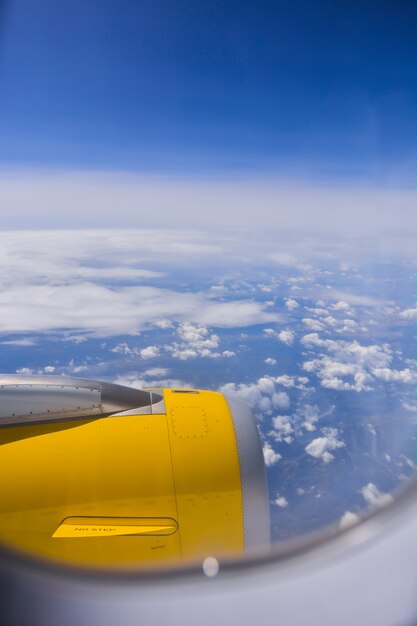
<point x="318" y="90"/>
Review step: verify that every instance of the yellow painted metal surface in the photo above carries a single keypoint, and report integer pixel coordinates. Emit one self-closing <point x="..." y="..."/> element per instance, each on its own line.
<point x="206" y="470"/>
<point x="176" y="473"/>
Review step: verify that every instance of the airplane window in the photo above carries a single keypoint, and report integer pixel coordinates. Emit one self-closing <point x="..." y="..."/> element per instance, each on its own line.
<point x="208" y="283"/>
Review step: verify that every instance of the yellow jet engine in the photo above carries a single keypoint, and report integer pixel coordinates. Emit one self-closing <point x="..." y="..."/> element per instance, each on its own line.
<point x="99" y="475"/>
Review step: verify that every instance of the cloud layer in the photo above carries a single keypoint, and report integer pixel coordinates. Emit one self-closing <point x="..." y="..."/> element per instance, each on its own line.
<point x="92" y="282"/>
<point x="65" y="198"/>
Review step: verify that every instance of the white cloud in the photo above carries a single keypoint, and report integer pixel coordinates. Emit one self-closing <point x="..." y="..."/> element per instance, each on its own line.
<point x="141" y="381"/>
<point x="311" y="417"/>
<point x="298" y="382"/>
<point x="326" y="321"/>
<point x="156" y="372"/>
<point x="124" y="348"/>
<point x="409" y="406"/>
<point x="319" y="312"/>
<point x="285" y="427"/>
<point x="270" y="456"/>
<point x="349" y="326"/>
<point x="341" y="306"/>
<point x="348" y="519"/>
<point x="330" y="321"/>
<point x="91" y="282"/>
<point x="196" y="341"/>
<point x="286" y="336"/>
<point x="19" y="342"/>
<point x="282" y="428"/>
<point x="350" y="360"/>
<point x="261" y="396"/>
<point x="281" y="501"/>
<point x="320" y="447"/>
<point x="197" y="336"/>
<point x="409" y="314"/>
<point x="113" y="197"/>
<point x="105" y="311"/>
<point x="183" y="354"/>
<point x="164" y="324"/>
<point x="270" y="361"/>
<point x="280" y="400"/>
<point x="352" y="298"/>
<point x="391" y="375"/>
<point x="287" y="259"/>
<point x="291" y="304"/>
<point x="285" y="380"/>
<point x="312" y="324"/>
<point x="150" y="352"/>
<point x="374" y="497"/>
<point x="73" y="368"/>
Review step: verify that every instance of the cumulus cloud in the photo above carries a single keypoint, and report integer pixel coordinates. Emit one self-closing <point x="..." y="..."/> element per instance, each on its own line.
<point x="312" y="324"/>
<point x="340" y="325"/>
<point x="141" y="381"/>
<point x="286" y="336"/>
<point x="357" y="363"/>
<point x="391" y="375"/>
<point x="270" y="361"/>
<point x="280" y="400"/>
<point x="285" y="380"/>
<point x="320" y="447"/>
<point x="270" y="456"/>
<point x="318" y="311"/>
<point x="297" y="382"/>
<point x="282" y="428"/>
<point x="156" y="372"/>
<point x="409" y="314"/>
<point x="285" y="428"/>
<point x="291" y="304"/>
<point x="311" y="416"/>
<point x="198" y="336"/>
<point x="374" y="497"/>
<point x="341" y="306"/>
<point x="262" y="395"/>
<point x="150" y="352"/>
<point x="409" y="406"/>
<point x="183" y="354"/>
<point x="348" y="519"/>
<point x="280" y="501"/>
<point x="163" y="324"/>
<point x="347" y="326"/>
<point x="196" y="341"/>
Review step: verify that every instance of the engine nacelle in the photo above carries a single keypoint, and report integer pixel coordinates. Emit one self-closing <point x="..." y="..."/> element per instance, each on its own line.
<point x="103" y="476"/>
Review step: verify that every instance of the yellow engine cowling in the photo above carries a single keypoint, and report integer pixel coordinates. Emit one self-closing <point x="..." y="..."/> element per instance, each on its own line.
<point x="174" y="481"/>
